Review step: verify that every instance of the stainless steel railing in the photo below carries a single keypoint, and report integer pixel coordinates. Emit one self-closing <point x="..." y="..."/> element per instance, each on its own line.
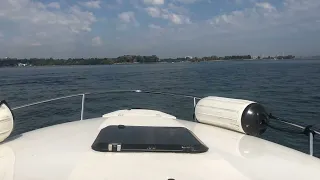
<point x="310" y="132"/>
<point x="106" y="92"/>
<point x="54" y="99"/>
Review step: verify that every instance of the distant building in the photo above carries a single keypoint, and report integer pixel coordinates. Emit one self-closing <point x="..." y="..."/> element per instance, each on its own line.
<point x="188" y="57"/>
<point x="22" y="65"/>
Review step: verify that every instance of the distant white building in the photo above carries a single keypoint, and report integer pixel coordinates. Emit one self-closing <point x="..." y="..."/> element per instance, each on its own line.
<point x="188" y="57"/>
<point x="22" y="65"/>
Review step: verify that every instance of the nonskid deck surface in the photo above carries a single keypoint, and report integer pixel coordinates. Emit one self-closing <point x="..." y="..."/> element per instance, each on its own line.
<point x="64" y="152"/>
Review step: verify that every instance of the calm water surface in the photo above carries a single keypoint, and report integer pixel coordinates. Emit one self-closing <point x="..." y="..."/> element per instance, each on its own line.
<point x="289" y="89"/>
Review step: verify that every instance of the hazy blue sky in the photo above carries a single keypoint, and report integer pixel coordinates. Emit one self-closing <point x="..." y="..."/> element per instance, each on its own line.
<point x="70" y="28"/>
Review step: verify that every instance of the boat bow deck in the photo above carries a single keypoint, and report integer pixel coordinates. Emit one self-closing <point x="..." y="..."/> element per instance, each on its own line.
<point x="64" y="152"/>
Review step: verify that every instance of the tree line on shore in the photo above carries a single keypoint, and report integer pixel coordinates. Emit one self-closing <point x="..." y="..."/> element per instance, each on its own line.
<point x="127" y="59"/>
<point x="78" y="61"/>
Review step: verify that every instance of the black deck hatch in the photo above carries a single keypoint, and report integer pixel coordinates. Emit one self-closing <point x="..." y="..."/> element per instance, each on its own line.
<point x="147" y="139"/>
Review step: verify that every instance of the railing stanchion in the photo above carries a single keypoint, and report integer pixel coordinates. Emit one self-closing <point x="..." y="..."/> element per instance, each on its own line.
<point x="82" y="105"/>
<point x="194" y="109"/>
<point x="311" y="143"/>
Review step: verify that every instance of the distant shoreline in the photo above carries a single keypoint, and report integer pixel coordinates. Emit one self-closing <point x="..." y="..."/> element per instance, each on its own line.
<point x="119" y="64"/>
<point x="127" y="59"/>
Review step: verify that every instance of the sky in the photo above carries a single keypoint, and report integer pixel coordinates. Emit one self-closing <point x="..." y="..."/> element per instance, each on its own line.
<point x="167" y="28"/>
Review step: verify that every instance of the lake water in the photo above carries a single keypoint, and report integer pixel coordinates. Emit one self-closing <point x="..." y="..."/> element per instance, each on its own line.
<point x="289" y="89"/>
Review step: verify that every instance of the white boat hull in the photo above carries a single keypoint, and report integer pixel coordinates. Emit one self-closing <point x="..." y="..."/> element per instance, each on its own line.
<point x="64" y="152"/>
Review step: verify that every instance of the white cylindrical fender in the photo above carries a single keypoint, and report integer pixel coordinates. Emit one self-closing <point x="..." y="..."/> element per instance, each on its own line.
<point x="6" y="121"/>
<point x="243" y="116"/>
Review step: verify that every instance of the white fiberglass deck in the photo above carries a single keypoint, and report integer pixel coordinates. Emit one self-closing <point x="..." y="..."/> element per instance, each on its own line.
<point x="64" y="152"/>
